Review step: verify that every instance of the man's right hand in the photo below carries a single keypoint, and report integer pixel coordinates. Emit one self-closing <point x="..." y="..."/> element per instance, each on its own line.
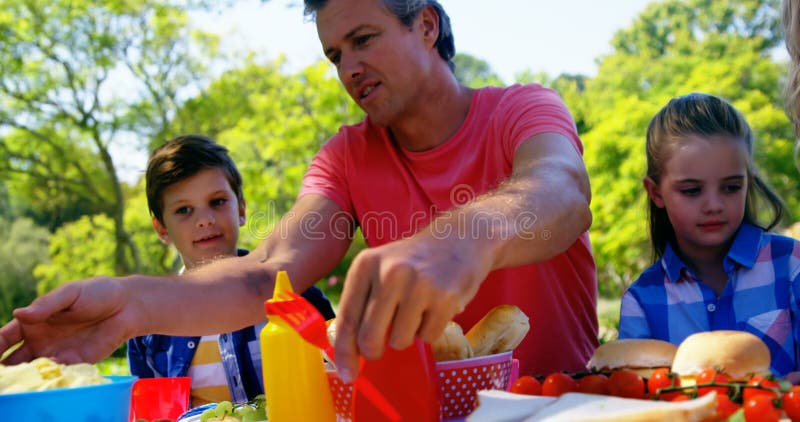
<point x="82" y="321"/>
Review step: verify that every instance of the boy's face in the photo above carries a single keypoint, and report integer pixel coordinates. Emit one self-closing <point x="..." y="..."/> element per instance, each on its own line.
<point x="202" y="217"/>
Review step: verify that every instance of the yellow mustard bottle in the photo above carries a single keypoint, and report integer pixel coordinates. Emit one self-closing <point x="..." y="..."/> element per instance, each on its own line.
<point x="295" y="385"/>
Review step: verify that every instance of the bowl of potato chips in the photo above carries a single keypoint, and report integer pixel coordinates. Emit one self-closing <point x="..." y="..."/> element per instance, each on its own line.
<point x="43" y="390"/>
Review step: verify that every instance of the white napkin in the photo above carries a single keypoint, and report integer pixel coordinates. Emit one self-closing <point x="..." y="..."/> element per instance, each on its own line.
<point x="502" y="406"/>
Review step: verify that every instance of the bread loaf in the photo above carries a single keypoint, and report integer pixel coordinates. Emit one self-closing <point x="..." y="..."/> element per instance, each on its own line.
<point x="452" y="344"/>
<point x="500" y="330"/>
<point x="331" y="330"/>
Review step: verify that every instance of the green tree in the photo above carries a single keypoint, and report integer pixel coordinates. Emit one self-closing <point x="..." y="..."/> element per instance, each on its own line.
<point x="673" y="48"/>
<point x="474" y="72"/>
<point x="273" y="122"/>
<point x="85" y="248"/>
<point x="24" y="246"/>
<point x="79" y="80"/>
<point x="272" y="132"/>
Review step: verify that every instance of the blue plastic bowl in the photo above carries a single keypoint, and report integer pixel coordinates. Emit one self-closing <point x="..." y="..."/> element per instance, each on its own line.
<point x="93" y="403"/>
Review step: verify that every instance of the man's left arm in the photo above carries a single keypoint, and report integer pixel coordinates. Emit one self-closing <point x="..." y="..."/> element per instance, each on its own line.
<point x="544" y="204"/>
<point x="416" y="285"/>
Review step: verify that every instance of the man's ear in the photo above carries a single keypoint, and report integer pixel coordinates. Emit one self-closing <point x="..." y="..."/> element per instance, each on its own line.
<point x="242" y="214"/>
<point x="429" y="25"/>
<point x="653" y="191"/>
<point x="162" y="231"/>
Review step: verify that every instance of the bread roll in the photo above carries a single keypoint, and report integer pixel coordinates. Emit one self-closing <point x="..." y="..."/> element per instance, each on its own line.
<point x="331" y="331"/>
<point x="452" y="344"/>
<point x="642" y="356"/>
<point x="738" y="354"/>
<point x="500" y="330"/>
<point x="331" y="324"/>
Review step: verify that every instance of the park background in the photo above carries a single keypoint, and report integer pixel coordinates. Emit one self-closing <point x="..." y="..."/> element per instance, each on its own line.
<point x="87" y="87"/>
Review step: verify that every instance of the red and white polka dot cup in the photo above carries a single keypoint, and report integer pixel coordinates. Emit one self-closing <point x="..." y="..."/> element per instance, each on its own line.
<point x="459" y="383"/>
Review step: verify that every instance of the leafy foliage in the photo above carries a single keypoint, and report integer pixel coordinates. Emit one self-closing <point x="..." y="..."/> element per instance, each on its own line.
<point x="673" y="48"/>
<point x="474" y="72"/>
<point x="79" y="79"/>
<point x="24" y="246"/>
<point x="272" y="133"/>
<point x="81" y="249"/>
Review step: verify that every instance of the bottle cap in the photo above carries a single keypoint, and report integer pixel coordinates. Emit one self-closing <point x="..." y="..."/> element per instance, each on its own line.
<point x="282" y="284"/>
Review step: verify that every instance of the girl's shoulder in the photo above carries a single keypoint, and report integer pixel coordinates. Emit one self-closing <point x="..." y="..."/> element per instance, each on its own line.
<point x="781" y="241"/>
<point x="780" y="250"/>
<point x="652" y="275"/>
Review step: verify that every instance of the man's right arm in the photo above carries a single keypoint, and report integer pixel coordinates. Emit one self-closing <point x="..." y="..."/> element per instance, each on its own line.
<point x="85" y="321"/>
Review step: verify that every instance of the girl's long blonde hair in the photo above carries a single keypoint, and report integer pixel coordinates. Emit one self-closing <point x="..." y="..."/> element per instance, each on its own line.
<point x="703" y="115"/>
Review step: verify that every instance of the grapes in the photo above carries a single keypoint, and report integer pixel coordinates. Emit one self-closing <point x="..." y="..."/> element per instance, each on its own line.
<point x="224" y="408"/>
<point x="255" y="410"/>
<point x="208" y="414"/>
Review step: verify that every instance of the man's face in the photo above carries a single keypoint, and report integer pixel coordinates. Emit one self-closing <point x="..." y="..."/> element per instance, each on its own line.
<point x="380" y="61"/>
<point x="201" y="217"/>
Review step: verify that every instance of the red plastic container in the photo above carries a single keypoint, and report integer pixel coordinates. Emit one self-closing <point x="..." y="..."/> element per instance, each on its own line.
<point x="458" y="384"/>
<point x="159" y="398"/>
<point x="407" y="379"/>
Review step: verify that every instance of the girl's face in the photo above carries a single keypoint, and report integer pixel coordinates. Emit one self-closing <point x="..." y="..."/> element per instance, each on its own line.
<point x="703" y="188"/>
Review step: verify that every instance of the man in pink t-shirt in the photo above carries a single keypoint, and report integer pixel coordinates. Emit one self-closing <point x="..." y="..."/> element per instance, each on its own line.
<point x="468" y="199"/>
<point x="394" y="193"/>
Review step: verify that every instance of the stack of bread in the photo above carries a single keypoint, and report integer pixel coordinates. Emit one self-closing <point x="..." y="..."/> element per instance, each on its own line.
<point x="500" y="330"/>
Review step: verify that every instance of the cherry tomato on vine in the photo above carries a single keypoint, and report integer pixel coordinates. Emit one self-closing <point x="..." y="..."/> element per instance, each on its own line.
<point x="681" y="397"/>
<point x="625" y="383"/>
<point x="711" y="375"/>
<point x="761" y="409"/>
<point x="663" y="378"/>
<point x="594" y="384"/>
<point x="750" y="392"/>
<point x="557" y="384"/>
<point x="527" y="384"/>
<point x="725" y="407"/>
<point x="791" y="403"/>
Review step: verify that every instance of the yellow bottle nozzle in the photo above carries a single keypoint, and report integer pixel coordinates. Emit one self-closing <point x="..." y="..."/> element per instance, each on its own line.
<point x="282" y="284"/>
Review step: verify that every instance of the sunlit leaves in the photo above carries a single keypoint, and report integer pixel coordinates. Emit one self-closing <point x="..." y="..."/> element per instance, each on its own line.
<point x="24" y="246"/>
<point x="78" y="77"/>
<point x="673" y="48"/>
<point x="83" y="248"/>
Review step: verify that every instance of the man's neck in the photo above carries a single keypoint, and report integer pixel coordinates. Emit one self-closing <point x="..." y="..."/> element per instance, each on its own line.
<point x="441" y="112"/>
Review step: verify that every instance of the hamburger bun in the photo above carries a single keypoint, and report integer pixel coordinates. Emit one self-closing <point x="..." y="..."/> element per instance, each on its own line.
<point x="331" y="330"/>
<point x="642" y="356"/>
<point x="452" y="344"/>
<point x="500" y="330"/>
<point x="738" y="354"/>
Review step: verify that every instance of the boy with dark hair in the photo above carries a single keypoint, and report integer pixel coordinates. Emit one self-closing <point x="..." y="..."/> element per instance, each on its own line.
<point x="194" y="193"/>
